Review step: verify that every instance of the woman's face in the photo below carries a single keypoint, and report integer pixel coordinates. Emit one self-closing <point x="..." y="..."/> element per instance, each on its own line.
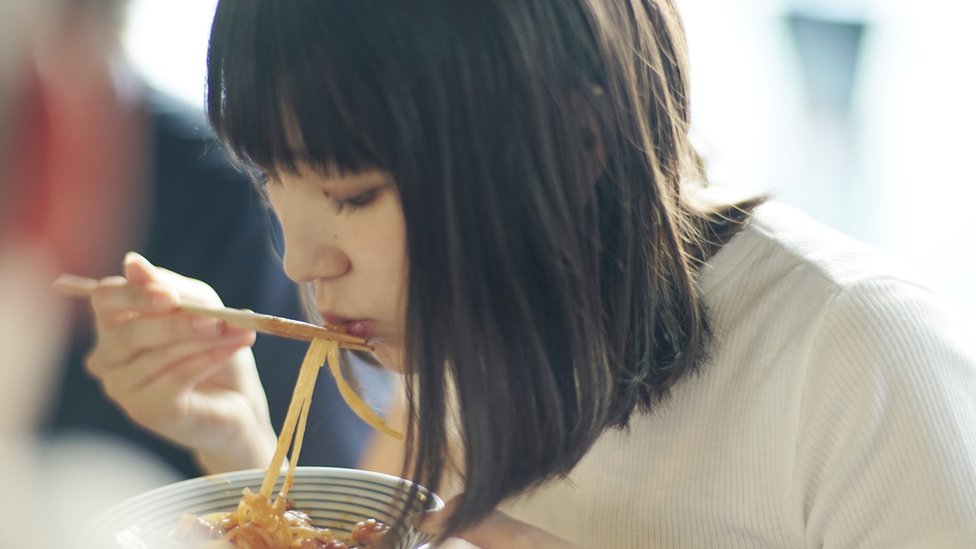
<point x="345" y="235"/>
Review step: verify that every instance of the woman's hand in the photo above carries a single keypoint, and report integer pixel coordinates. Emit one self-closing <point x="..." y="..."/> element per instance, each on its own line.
<point x="191" y="379"/>
<point x="496" y="531"/>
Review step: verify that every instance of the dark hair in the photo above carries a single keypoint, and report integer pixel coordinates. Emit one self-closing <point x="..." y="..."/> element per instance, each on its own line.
<point x="552" y="307"/>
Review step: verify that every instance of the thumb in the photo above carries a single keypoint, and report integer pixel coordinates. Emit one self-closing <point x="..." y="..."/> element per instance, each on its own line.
<point x="138" y="269"/>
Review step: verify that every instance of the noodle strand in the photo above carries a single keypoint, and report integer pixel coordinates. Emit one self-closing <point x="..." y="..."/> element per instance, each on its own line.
<point x="314" y="358"/>
<point x="260" y="521"/>
<point x="352" y="399"/>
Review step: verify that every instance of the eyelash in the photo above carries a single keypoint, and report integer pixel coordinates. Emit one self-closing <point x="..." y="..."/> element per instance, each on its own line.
<point x="351" y="204"/>
<point x="356" y="202"/>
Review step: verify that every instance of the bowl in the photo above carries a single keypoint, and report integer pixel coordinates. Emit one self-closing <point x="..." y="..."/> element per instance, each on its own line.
<point x="334" y="498"/>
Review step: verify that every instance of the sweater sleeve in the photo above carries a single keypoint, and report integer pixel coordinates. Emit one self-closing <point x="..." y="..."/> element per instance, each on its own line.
<point x="886" y="448"/>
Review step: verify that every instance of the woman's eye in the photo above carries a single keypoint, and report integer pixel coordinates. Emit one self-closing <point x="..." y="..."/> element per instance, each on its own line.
<point x="356" y="202"/>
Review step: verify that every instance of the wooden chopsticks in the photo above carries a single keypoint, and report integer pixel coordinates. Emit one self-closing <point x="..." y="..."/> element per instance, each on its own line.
<point x="80" y="286"/>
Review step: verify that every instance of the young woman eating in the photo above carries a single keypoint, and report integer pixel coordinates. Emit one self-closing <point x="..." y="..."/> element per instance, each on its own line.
<point x="502" y="197"/>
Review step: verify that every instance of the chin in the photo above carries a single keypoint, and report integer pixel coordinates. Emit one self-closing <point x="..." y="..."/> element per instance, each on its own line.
<point x="389" y="356"/>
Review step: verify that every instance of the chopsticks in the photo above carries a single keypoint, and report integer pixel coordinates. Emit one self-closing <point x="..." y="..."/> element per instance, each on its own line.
<point x="80" y="286"/>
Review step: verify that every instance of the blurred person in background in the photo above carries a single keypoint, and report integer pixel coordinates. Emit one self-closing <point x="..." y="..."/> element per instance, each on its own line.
<point x="31" y="319"/>
<point x="52" y="487"/>
<point x="166" y="190"/>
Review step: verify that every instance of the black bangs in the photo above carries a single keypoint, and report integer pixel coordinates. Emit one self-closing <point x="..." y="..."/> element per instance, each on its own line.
<point x="280" y="91"/>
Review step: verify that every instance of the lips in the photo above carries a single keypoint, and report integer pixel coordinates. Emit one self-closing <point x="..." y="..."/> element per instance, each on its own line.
<point x="354" y="327"/>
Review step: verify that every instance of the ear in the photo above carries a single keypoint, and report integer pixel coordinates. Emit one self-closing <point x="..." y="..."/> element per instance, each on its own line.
<point x="592" y="111"/>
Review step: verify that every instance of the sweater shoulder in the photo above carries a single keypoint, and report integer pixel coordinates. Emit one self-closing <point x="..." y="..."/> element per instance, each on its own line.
<point x="781" y="245"/>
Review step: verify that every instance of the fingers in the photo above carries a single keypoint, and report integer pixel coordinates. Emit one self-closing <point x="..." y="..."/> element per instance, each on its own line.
<point x="149" y="289"/>
<point x="139" y="312"/>
<point x="150" y="390"/>
<point x="142" y="350"/>
<point x="114" y="296"/>
<point x="495" y="531"/>
<point x="139" y="271"/>
<point x="174" y="361"/>
<point x="189" y="378"/>
<point x="143" y="340"/>
<point x="126" y="338"/>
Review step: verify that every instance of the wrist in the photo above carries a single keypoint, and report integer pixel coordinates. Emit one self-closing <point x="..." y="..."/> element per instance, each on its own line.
<point x="253" y="449"/>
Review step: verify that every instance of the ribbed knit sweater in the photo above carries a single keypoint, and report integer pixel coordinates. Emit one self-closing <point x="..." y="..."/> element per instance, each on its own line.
<point x="838" y="409"/>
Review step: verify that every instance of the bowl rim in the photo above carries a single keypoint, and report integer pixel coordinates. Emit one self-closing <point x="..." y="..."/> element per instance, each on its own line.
<point x="232" y="476"/>
<point x="108" y="517"/>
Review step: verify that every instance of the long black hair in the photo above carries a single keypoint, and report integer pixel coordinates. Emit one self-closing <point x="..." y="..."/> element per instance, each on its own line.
<point x="551" y="299"/>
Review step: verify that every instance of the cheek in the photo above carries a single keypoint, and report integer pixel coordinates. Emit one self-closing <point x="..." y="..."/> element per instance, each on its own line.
<point x="392" y="261"/>
<point x="385" y="290"/>
<point x="386" y="245"/>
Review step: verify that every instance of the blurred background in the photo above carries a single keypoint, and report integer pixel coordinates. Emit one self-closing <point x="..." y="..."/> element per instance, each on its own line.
<point x="860" y="112"/>
<point x="96" y="161"/>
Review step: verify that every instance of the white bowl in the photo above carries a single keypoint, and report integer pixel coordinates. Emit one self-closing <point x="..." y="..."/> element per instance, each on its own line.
<point x="334" y="498"/>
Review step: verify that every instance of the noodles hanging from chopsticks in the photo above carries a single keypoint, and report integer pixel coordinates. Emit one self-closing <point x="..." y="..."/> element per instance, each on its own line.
<point x="259" y="520"/>
<point x="297" y="415"/>
<point x="355" y="403"/>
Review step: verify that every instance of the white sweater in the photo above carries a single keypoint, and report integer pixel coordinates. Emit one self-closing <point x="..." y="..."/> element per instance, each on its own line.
<point x="838" y="410"/>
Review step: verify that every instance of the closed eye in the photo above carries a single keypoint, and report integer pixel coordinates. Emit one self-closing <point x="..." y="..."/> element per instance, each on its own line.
<point x="356" y="202"/>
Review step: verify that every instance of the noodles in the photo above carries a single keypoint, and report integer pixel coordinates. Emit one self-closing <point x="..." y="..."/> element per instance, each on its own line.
<point x="297" y="414"/>
<point x="355" y="403"/>
<point x="261" y="522"/>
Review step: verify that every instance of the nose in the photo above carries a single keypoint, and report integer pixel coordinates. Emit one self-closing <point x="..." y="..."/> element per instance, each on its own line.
<point x="307" y="261"/>
<point x="313" y="250"/>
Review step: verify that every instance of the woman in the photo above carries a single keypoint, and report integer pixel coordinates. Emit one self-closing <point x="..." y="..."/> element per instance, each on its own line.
<point x="502" y="197"/>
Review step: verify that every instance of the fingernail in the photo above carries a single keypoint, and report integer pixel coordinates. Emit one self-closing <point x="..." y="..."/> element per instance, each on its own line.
<point x="206" y="325"/>
<point x="131" y="257"/>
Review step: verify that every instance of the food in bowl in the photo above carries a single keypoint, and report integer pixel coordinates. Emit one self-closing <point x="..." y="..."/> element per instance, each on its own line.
<point x="333" y="498"/>
<point x="252" y="526"/>
<point x="263" y="522"/>
<point x="260" y="521"/>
